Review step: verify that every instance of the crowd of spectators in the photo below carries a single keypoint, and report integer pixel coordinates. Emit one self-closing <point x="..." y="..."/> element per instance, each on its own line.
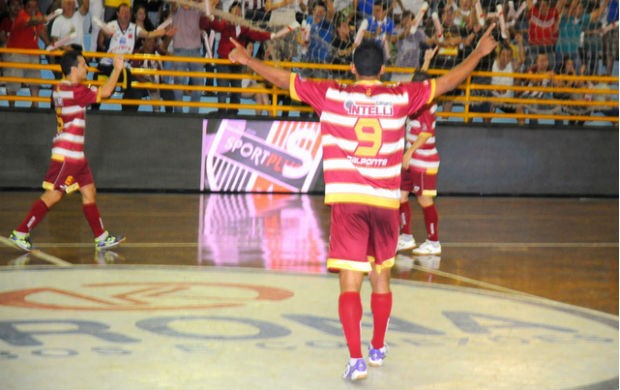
<point x="531" y="33"/>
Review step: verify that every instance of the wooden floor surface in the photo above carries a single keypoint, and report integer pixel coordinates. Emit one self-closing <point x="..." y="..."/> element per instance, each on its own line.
<point x="562" y="249"/>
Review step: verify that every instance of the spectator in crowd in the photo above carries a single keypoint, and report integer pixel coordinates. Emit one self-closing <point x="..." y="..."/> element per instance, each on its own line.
<point x="122" y="36"/>
<point x="409" y="46"/>
<point x="154" y="47"/>
<point x="592" y="45"/>
<point x="155" y="11"/>
<point x="541" y="67"/>
<point x="464" y="13"/>
<point x="320" y="36"/>
<point x="505" y="62"/>
<point x="342" y="45"/>
<point x="543" y="19"/>
<point x="602" y="97"/>
<point x="451" y="47"/>
<point x="381" y="27"/>
<point x="254" y="10"/>
<point x="27" y="28"/>
<point x="284" y="12"/>
<point x="573" y="23"/>
<point x="71" y="21"/>
<point x="610" y="37"/>
<point x="187" y="42"/>
<point x="243" y="35"/>
<point x="568" y="68"/>
<point x="516" y="43"/>
<point x="364" y="8"/>
<point x="7" y="19"/>
<point x="141" y="20"/>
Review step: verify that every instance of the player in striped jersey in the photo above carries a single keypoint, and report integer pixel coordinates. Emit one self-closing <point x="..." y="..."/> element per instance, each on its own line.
<point x="419" y="176"/>
<point x="68" y="170"/>
<point x="362" y="127"/>
<point x="420" y="167"/>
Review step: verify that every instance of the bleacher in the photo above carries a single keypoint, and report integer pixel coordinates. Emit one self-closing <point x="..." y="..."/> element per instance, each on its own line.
<point x="594" y="103"/>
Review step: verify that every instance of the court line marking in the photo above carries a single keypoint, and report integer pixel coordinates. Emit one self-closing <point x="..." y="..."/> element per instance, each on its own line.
<point x="38" y="253"/>
<point x="474" y="282"/>
<point x="446" y="245"/>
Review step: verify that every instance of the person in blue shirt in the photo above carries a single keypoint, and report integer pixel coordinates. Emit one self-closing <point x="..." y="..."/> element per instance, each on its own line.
<point x="319" y="37"/>
<point x="381" y="27"/>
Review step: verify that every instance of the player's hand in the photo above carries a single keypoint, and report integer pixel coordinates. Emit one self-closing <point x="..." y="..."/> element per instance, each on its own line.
<point x="118" y="61"/>
<point x="487" y="43"/>
<point x="239" y="54"/>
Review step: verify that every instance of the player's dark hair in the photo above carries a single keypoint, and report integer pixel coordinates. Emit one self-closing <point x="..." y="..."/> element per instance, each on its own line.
<point x="368" y="58"/>
<point x="69" y="60"/>
<point x="382" y="3"/>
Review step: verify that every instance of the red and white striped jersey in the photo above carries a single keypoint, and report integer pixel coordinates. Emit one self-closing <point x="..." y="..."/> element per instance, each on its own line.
<point x="70" y="101"/>
<point x="425" y="158"/>
<point x="363" y="131"/>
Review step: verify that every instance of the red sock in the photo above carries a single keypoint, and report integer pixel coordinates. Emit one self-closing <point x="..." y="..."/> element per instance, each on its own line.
<point x="381" y="305"/>
<point x="35" y="215"/>
<point x="91" y="212"/>
<point x="350" y="311"/>
<point x="431" y="220"/>
<point x="404" y="213"/>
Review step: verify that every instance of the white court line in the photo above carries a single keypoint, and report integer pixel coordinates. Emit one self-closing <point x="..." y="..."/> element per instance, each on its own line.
<point x="474" y="282"/>
<point x="443" y="244"/>
<point x="37" y="253"/>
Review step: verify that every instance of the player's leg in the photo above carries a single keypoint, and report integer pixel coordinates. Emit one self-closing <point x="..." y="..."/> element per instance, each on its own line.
<point x="381" y="306"/>
<point x="103" y="238"/>
<point x="405" y="238"/>
<point x="431" y="221"/>
<point x="21" y="235"/>
<point x="349" y="228"/>
<point x="384" y="228"/>
<point x="53" y="182"/>
<point x="426" y="190"/>
<point x="350" y="313"/>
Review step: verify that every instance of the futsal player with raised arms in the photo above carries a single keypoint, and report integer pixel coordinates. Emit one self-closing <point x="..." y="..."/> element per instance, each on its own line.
<point x="68" y="170"/>
<point x="363" y="130"/>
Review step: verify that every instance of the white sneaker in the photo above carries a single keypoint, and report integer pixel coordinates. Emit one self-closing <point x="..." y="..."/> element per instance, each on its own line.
<point x="428" y="248"/>
<point x="405" y="242"/>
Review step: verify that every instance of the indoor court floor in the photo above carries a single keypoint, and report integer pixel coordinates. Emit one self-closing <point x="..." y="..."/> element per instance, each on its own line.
<point x="230" y="291"/>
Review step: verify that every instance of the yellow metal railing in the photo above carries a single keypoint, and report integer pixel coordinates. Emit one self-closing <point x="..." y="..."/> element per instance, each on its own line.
<point x="583" y="108"/>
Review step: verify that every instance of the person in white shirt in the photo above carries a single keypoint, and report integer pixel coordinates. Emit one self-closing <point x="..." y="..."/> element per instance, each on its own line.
<point x="70" y="24"/>
<point x="122" y="35"/>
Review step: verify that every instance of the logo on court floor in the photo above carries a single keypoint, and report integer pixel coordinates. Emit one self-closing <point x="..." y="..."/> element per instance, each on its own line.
<point x="195" y="327"/>
<point x="142" y="296"/>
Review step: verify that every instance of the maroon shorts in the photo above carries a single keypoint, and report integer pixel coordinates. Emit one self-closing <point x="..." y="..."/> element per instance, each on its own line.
<point x="361" y="235"/>
<point x="67" y="176"/>
<point x="418" y="182"/>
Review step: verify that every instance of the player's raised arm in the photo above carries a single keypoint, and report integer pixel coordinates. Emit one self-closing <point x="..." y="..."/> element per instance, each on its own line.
<point x="453" y="78"/>
<point x="277" y="76"/>
<point x="108" y="88"/>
